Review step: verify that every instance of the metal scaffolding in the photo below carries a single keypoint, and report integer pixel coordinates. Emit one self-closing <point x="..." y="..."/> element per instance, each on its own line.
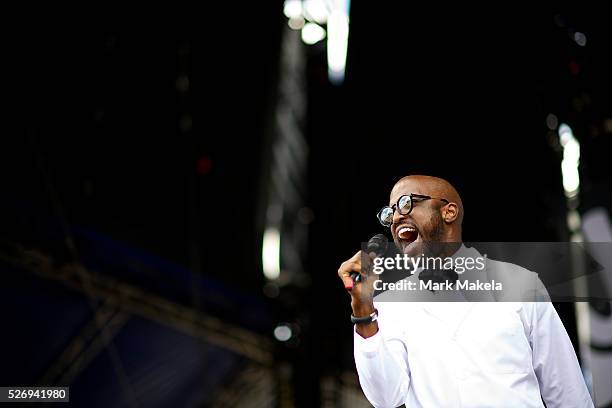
<point x="122" y="300"/>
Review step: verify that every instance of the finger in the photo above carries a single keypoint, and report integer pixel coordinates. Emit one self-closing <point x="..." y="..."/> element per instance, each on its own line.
<point x="347" y="269"/>
<point x="352" y="266"/>
<point x="348" y="283"/>
<point x="347" y="279"/>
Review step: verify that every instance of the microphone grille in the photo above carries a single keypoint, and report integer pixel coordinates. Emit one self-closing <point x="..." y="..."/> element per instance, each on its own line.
<point x="377" y="244"/>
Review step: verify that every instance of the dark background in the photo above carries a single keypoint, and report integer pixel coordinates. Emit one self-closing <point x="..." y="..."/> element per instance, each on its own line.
<point x="137" y="149"/>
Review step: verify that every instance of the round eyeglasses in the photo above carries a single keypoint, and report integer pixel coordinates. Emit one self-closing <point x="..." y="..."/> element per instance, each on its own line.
<point x="404" y="206"/>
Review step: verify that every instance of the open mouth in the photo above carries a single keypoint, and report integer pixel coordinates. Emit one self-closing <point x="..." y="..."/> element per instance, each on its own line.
<point x="407" y="234"/>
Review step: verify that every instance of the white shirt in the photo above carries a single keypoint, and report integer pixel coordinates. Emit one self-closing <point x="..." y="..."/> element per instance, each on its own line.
<point x="469" y="354"/>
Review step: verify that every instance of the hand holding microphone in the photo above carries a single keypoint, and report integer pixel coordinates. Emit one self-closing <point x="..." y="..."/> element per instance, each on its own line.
<point x="352" y="271"/>
<point x="377" y="245"/>
<point x="355" y="277"/>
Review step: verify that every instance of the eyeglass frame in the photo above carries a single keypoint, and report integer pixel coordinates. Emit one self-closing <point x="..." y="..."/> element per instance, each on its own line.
<point x="421" y="197"/>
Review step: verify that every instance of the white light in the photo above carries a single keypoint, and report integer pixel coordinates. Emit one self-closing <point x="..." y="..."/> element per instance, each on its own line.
<point x="292" y="8"/>
<point x="571" y="151"/>
<point x="580" y="38"/>
<point x="571" y="160"/>
<point x="270" y="253"/>
<point x="565" y="134"/>
<point x="573" y="220"/>
<point x="337" y="43"/>
<point x="571" y="178"/>
<point x="316" y="10"/>
<point x="282" y="332"/>
<point x="312" y="33"/>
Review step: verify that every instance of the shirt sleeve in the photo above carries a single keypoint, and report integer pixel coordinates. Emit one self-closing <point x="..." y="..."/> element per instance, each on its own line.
<point x="554" y="360"/>
<point x="382" y="365"/>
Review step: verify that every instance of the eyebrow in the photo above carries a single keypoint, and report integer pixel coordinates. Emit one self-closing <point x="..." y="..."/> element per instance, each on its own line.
<point x="403" y="194"/>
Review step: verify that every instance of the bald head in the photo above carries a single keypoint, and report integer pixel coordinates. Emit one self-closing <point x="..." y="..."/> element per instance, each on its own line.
<point x="432" y="186"/>
<point x="451" y="213"/>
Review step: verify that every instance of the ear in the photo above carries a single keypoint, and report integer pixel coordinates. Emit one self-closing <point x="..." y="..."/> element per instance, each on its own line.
<point x="450" y="213"/>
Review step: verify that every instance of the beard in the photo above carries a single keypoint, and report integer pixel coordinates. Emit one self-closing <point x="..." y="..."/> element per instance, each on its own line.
<point x="434" y="230"/>
<point x="430" y="238"/>
<point x="433" y="233"/>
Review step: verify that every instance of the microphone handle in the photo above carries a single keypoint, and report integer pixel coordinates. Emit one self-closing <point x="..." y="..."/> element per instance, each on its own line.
<point x="378" y="245"/>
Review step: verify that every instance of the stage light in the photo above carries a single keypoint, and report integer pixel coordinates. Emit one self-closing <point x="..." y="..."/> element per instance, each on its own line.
<point x="571" y="152"/>
<point x="282" y="332"/>
<point x="573" y="221"/>
<point x="337" y="43"/>
<point x="270" y="253"/>
<point x="309" y="16"/>
<point x="312" y="33"/>
<point x="571" y="177"/>
<point x="565" y="134"/>
<point x="580" y="38"/>
<point x="571" y="160"/>
<point x="316" y="10"/>
<point x="292" y="9"/>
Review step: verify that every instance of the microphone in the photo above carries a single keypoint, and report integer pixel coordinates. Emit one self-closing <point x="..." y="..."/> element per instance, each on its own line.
<point x="377" y="244"/>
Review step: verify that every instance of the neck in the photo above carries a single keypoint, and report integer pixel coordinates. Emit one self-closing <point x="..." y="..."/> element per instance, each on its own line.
<point x="451" y="242"/>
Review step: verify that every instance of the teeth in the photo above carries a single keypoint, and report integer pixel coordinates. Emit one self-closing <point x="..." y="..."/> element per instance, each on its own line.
<point x="403" y="230"/>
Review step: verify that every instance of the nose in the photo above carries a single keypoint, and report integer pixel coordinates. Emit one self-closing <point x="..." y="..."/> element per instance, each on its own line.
<point x="397" y="217"/>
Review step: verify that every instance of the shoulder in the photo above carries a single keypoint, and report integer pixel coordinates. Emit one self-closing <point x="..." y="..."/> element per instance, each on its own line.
<point x="519" y="272"/>
<point x="519" y="283"/>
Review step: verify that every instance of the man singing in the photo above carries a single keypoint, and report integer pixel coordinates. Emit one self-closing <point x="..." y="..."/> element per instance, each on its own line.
<point x="454" y="354"/>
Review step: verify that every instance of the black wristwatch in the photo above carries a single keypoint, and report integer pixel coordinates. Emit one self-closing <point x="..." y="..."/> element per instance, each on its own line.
<point x="372" y="317"/>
